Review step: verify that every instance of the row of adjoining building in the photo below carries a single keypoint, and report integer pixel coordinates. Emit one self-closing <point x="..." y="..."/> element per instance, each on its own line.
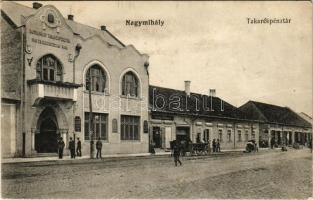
<point x="49" y="64"/>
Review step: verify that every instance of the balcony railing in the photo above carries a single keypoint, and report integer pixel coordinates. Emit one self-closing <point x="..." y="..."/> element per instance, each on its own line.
<point x="52" y="90"/>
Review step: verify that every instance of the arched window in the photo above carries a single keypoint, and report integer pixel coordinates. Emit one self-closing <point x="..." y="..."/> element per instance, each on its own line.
<point x="49" y="68"/>
<point x="95" y="77"/>
<point x="130" y="85"/>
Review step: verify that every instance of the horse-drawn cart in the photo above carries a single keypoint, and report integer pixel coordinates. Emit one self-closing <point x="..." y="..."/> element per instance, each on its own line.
<point x="194" y="149"/>
<point x="199" y="149"/>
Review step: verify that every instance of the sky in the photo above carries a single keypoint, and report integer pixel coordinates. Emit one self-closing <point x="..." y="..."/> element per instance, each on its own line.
<point x="212" y="45"/>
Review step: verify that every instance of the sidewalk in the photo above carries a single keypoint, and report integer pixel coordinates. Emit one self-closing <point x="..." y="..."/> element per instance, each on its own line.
<point x="68" y="159"/>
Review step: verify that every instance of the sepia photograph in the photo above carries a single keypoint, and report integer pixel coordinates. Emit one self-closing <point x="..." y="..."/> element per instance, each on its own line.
<point x="156" y="100"/>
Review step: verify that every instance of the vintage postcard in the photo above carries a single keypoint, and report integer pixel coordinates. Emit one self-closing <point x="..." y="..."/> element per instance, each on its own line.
<point x="156" y="100"/>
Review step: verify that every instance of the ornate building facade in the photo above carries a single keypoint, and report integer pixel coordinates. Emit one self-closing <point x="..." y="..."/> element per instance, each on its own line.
<point x="49" y="63"/>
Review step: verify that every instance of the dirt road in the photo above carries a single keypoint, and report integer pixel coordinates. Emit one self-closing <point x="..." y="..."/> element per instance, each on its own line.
<point x="269" y="174"/>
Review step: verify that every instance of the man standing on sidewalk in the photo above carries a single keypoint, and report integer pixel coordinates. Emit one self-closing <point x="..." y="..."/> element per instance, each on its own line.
<point x="176" y="149"/>
<point x="60" y="147"/>
<point x="79" y="148"/>
<point x="214" y="145"/>
<point x="99" y="148"/>
<point x="218" y="146"/>
<point x="71" y="147"/>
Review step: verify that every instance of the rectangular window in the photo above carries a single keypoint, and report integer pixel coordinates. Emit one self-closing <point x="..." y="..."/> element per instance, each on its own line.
<point x="130" y="127"/>
<point x="87" y="126"/>
<point x="239" y="136"/>
<point x="100" y="121"/>
<point x="97" y="130"/>
<point x="253" y="135"/>
<point x="246" y="136"/>
<point x="220" y="135"/>
<point x="206" y="135"/>
<point x="45" y="74"/>
<point x="136" y="129"/>
<point x="229" y="135"/>
<point x="51" y="74"/>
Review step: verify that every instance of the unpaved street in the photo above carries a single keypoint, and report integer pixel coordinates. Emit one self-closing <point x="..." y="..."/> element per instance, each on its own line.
<point x="270" y="174"/>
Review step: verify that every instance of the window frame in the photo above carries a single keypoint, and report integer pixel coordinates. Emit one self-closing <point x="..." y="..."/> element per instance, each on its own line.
<point x="127" y="87"/>
<point x="253" y="135"/>
<point x="239" y="136"/>
<point x="220" y="135"/>
<point x="96" y="79"/>
<point x="206" y="135"/>
<point x="50" y="18"/>
<point x="53" y="73"/>
<point x="229" y="135"/>
<point x="246" y="135"/>
<point x="102" y="119"/>
<point x="132" y="124"/>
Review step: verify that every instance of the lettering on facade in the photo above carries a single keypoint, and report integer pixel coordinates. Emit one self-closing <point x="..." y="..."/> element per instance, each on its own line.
<point x="50" y="36"/>
<point x="51" y="44"/>
<point x="47" y="35"/>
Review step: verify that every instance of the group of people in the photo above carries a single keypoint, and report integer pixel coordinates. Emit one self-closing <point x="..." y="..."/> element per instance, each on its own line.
<point x="78" y="152"/>
<point x="216" y="145"/>
<point x="71" y="147"/>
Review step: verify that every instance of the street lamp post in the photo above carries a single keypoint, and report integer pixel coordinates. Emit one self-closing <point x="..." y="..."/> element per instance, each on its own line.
<point x="91" y="127"/>
<point x="77" y="51"/>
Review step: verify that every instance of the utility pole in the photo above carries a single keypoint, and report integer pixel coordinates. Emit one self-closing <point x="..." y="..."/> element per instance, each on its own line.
<point x="77" y="52"/>
<point x="91" y="124"/>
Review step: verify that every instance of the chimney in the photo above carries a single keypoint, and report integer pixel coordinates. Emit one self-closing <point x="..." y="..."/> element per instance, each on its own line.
<point x="70" y="17"/>
<point x="212" y="92"/>
<point x="103" y="28"/>
<point x="187" y="87"/>
<point x="37" y="5"/>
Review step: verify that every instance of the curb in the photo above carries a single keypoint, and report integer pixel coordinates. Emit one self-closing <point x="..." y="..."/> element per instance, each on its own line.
<point x="83" y="159"/>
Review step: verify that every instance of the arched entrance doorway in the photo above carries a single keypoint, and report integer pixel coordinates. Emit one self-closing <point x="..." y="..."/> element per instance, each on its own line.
<point x="46" y="139"/>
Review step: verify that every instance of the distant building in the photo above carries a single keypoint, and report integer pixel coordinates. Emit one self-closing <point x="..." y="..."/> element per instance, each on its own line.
<point x="306" y="117"/>
<point x="183" y="115"/>
<point x="279" y="125"/>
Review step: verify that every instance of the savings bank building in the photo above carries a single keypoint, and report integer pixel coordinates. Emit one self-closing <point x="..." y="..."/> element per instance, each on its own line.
<point x="51" y="68"/>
